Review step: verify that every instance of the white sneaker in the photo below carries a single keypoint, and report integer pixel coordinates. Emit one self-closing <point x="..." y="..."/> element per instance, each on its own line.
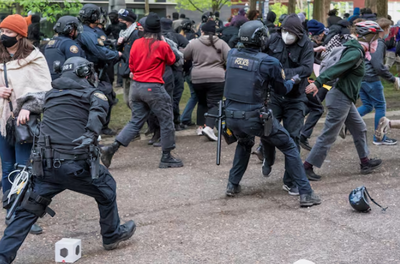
<point x="382" y="129"/>
<point x="209" y="133"/>
<point x="199" y="131"/>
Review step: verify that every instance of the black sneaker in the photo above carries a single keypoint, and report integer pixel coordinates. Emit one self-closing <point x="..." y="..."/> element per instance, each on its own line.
<point x="307" y="200"/>
<point x="266" y="169"/>
<point x="157" y="144"/>
<point x="233" y="189"/>
<point x="370" y="166"/>
<point x="169" y="161"/>
<point x="304" y="143"/>
<point x="312" y="176"/>
<point x="127" y="231"/>
<point x="259" y="153"/>
<point x="178" y="127"/>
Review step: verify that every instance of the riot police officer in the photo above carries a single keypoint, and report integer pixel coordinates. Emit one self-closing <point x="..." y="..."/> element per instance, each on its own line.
<point x="61" y="159"/>
<point x="63" y="46"/>
<point x="98" y="53"/>
<point x="248" y="75"/>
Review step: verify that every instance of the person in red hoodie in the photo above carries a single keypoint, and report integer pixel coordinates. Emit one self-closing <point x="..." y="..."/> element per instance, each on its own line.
<point x="147" y="61"/>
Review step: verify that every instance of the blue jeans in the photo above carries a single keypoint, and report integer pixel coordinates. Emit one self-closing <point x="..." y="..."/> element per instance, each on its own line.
<point x="372" y="96"/>
<point x="186" y="116"/>
<point x="9" y="156"/>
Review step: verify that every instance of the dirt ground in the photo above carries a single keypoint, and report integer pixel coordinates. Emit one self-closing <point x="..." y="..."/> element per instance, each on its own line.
<point x="183" y="216"/>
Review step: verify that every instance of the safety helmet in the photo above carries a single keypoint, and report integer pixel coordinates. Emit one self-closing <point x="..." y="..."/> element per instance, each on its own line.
<point x="66" y="24"/>
<point x="90" y="13"/>
<point x="367" y="27"/>
<point x="186" y="24"/>
<point x="282" y="17"/>
<point x="77" y="68"/>
<point x="253" y="33"/>
<point x="358" y="200"/>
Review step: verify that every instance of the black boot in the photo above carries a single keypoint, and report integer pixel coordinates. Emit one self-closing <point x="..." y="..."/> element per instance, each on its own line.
<point x="304" y="143"/>
<point x="127" y="230"/>
<point x="155" y="138"/>
<point x="169" y="161"/>
<point x="108" y="152"/>
<point x="259" y="152"/>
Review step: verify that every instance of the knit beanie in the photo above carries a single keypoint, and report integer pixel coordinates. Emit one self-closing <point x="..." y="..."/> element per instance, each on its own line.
<point x="315" y="27"/>
<point x="152" y="24"/>
<point x="293" y="24"/>
<point x="127" y="15"/>
<point x="209" y="26"/>
<point x="16" y="23"/>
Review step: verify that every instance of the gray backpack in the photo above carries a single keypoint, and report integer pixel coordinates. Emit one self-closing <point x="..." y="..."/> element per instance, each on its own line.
<point x="334" y="56"/>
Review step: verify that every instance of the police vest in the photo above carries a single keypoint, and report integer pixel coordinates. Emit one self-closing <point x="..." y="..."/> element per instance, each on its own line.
<point x="243" y="82"/>
<point x="54" y="53"/>
<point x="65" y="114"/>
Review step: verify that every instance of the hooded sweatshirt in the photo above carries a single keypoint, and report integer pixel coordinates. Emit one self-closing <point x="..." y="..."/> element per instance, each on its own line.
<point x="349" y="77"/>
<point x="208" y="65"/>
<point x="269" y="22"/>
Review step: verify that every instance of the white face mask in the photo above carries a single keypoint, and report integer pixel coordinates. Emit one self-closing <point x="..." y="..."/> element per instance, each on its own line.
<point x="288" y="37"/>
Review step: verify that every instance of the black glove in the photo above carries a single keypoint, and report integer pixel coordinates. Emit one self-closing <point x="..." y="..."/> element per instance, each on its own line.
<point x="296" y="79"/>
<point x="122" y="58"/>
<point x="85" y="142"/>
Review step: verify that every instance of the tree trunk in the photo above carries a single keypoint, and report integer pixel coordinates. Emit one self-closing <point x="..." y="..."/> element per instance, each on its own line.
<point x="18" y="8"/>
<point x="292" y="7"/>
<point x="382" y="8"/>
<point x="373" y="5"/>
<point x="215" y="5"/>
<point x="146" y="7"/>
<point x="320" y="10"/>
<point x="253" y="5"/>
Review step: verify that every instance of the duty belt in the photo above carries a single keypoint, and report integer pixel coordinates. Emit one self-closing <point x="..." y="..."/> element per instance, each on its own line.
<point x="241" y="114"/>
<point x="58" y="157"/>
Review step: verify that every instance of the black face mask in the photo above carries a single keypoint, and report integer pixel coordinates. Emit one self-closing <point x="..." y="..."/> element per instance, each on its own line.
<point x="140" y="34"/>
<point x="122" y="26"/>
<point x="8" y="41"/>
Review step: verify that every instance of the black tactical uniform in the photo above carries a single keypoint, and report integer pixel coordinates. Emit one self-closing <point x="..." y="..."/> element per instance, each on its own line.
<point x="63" y="46"/>
<point x="249" y="72"/>
<point x="92" y="41"/>
<point x="72" y="120"/>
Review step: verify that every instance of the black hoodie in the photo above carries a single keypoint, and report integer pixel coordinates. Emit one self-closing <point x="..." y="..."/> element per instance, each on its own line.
<point x="269" y="22"/>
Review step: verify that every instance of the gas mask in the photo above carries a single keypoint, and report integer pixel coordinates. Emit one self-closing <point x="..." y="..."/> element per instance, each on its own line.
<point x="288" y="38"/>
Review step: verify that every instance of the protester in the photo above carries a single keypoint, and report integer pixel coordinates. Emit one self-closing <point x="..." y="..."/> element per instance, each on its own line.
<point x="341" y="100"/>
<point x="241" y="16"/>
<point x="356" y="14"/>
<point x="208" y="54"/>
<point x="371" y="92"/>
<point x="28" y="79"/>
<point x="333" y="18"/>
<point x="270" y="22"/>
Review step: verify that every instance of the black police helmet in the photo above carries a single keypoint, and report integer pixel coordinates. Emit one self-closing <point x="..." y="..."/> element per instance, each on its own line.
<point x="282" y="17"/>
<point x="253" y="33"/>
<point x="66" y="24"/>
<point x="77" y="68"/>
<point x="89" y="13"/>
<point x="358" y="200"/>
<point x="187" y="24"/>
